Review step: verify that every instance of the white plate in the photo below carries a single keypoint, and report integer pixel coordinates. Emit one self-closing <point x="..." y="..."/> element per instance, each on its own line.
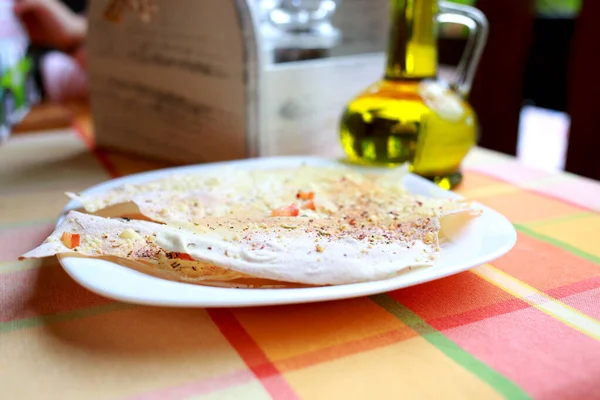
<point x="484" y="239"/>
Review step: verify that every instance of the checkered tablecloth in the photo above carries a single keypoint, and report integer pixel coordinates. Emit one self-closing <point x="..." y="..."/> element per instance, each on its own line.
<point x="525" y="326"/>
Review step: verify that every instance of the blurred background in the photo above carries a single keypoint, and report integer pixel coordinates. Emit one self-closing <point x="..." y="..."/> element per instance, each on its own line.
<point x="534" y="91"/>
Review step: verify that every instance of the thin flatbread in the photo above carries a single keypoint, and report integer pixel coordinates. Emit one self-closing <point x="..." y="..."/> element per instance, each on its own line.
<point x="126" y="239"/>
<point x="227" y="192"/>
<point x="307" y="225"/>
<point x="289" y="249"/>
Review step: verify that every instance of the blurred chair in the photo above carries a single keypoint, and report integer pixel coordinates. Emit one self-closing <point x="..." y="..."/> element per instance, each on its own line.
<point x="583" y="102"/>
<point x="497" y="93"/>
<point x="499" y="86"/>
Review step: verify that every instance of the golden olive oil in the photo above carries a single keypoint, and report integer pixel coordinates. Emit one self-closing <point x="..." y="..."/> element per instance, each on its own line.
<point x="410" y="116"/>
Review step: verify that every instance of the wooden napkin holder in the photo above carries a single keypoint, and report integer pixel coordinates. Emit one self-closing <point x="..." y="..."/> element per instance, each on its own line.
<point x="192" y="85"/>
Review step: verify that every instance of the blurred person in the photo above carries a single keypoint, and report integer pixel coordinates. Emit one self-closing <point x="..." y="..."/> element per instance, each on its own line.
<point x="57" y="35"/>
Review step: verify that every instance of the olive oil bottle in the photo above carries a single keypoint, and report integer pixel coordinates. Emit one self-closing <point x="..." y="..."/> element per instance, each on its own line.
<point x="410" y="115"/>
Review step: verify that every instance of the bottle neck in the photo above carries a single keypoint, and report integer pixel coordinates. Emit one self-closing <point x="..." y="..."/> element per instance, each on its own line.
<point x="412" y="46"/>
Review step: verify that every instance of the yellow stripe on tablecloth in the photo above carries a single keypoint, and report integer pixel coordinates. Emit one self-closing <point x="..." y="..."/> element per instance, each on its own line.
<point x="54" y="161"/>
<point x="16" y="266"/>
<point x="559" y="219"/>
<point x="329" y="326"/>
<point x="123" y="353"/>
<point x="548" y="305"/>
<point x="410" y="369"/>
<point x="581" y="234"/>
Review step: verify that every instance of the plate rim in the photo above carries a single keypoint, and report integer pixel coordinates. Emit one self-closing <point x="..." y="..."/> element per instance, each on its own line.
<point x="284" y="295"/>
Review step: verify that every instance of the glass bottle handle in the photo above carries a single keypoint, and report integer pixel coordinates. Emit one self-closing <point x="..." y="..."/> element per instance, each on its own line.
<point x="477" y="24"/>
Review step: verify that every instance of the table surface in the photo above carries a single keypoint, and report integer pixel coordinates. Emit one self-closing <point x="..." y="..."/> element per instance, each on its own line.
<point x="525" y="326"/>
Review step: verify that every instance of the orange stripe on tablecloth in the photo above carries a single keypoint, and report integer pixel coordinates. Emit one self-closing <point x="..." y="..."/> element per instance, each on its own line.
<point x="345" y="349"/>
<point x="555" y="266"/>
<point x="469" y="317"/>
<point x="252" y="354"/>
<point x="461" y="293"/>
<point x="199" y="388"/>
<point x="522" y="206"/>
<point x="476" y="180"/>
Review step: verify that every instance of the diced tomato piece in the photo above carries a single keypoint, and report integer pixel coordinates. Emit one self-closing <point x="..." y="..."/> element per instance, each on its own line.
<point x="305" y="195"/>
<point x="185" y="256"/>
<point x="309" y="205"/>
<point x="71" y="240"/>
<point x="288" y="211"/>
